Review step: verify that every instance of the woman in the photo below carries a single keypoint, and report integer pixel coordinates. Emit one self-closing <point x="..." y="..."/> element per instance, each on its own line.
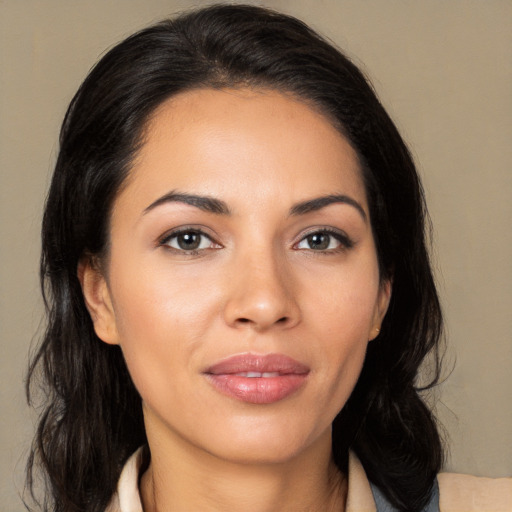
<point x="237" y="282"/>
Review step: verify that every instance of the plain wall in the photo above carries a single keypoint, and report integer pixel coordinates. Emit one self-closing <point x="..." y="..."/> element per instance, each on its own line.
<point x="442" y="69"/>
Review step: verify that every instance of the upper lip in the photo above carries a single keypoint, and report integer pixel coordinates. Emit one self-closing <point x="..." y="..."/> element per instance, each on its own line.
<point x="263" y="363"/>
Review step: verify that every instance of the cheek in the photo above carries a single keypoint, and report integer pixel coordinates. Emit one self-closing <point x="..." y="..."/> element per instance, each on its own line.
<point x="152" y="297"/>
<point x="160" y="321"/>
<point x="344" y="299"/>
<point x="343" y="311"/>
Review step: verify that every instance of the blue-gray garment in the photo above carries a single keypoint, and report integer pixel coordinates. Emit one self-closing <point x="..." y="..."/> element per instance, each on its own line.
<point x="383" y="504"/>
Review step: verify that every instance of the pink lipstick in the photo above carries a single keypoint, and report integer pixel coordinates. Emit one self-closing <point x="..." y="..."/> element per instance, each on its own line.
<point x="257" y="379"/>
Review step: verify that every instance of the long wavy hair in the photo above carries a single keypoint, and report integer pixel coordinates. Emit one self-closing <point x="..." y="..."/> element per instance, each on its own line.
<point x="92" y="414"/>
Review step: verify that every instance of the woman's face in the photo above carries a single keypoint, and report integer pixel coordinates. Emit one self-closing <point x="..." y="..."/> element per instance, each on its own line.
<point x="242" y="282"/>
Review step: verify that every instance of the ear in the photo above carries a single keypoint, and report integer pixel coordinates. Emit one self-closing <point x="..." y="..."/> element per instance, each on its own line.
<point x="381" y="307"/>
<point x="97" y="300"/>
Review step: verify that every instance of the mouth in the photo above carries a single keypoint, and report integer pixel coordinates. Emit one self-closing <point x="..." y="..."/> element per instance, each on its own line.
<point x="258" y="379"/>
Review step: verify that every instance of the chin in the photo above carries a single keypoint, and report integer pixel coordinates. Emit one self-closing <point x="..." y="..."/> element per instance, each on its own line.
<point x="265" y="444"/>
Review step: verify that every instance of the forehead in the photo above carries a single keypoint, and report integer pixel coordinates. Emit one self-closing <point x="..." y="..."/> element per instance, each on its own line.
<point x="232" y="143"/>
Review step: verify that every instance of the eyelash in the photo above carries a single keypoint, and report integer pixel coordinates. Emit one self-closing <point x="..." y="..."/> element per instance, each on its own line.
<point x="345" y="242"/>
<point x="165" y="240"/>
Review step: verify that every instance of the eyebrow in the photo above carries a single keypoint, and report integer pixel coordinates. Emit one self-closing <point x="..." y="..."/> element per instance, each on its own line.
<point x="205" y="203"/>
<point x="318" y="203"/>
<point x="219" y="207"/>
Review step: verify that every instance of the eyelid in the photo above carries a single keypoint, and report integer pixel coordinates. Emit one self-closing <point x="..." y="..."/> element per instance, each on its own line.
<point x="340" y="235"/>
<point x="163" y="240"/>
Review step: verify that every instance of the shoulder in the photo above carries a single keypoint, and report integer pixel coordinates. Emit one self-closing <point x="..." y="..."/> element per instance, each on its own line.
<point x="466" y="493"/>
<point x="457" y="493"/>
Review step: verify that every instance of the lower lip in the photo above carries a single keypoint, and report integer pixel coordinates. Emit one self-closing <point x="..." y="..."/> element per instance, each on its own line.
<point x="257" y="390"/>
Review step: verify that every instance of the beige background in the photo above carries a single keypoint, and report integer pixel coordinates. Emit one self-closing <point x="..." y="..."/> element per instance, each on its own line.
<point x="443" y="70"/>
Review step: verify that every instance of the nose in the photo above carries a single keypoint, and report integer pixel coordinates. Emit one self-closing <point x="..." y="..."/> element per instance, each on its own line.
<point x="261" y="294"/>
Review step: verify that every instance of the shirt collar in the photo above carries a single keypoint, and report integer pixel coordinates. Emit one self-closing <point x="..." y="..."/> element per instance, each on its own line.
<point x="127" y="497"/>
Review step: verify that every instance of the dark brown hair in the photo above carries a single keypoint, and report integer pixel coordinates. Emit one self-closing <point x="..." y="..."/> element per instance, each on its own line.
<point x="92" y="418"/>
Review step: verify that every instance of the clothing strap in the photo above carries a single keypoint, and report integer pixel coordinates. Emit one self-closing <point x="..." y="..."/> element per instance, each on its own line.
<point x="383" y="504"/>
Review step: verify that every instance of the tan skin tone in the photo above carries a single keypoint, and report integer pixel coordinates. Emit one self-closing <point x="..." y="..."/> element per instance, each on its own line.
<point x="270" y="272"/>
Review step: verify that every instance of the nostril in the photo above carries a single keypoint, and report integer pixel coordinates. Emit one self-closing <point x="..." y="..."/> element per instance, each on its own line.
<point x="281" y="320"/>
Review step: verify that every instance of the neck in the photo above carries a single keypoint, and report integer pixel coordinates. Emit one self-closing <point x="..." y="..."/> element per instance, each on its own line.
<point x="182" y="477"/>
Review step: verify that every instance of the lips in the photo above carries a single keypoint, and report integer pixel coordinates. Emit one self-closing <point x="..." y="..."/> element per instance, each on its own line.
<point x="258" y="379"/>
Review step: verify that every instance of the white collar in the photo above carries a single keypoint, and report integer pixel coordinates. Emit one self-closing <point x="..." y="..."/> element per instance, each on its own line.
<point x="127" y="497"/>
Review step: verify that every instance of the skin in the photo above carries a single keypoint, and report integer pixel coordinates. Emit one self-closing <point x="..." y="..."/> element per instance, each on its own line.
<point x="256" y="285"/>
